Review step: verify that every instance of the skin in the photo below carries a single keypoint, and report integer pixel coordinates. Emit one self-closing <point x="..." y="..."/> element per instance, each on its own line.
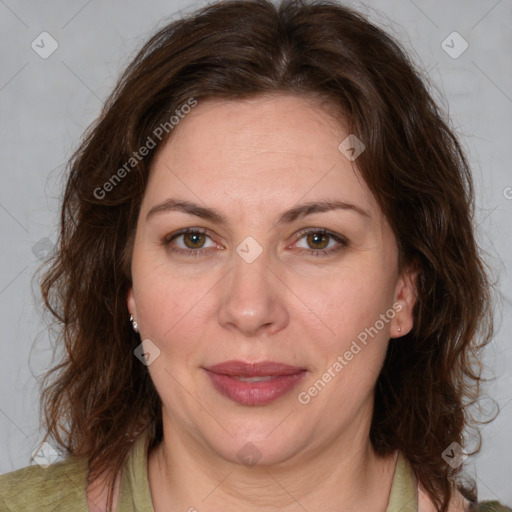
<point x="251" y="160"/>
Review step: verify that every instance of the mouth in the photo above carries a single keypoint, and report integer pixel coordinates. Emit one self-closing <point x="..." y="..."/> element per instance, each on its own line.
<point x="254" y="383"/>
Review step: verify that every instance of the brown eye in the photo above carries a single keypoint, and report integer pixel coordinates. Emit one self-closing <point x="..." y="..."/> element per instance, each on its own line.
<point x="317" y="240"/>
<point x="194" y="240"/>
<point x="190" y="242"/>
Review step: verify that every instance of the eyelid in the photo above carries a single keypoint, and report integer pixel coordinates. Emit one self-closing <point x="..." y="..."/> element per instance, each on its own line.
<point x="341" y="241"/>
<point x="167" y="239"/>
<point x="306" y="231"/>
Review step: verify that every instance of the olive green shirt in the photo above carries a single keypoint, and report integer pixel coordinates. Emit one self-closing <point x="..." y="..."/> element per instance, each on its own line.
<point x="61" y="487"/>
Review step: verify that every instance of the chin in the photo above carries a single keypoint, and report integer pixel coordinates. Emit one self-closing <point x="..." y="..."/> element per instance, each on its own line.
<point x="269" y="442"/>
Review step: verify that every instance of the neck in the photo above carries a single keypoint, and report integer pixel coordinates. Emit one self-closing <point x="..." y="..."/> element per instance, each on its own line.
<point x="185" y="475"/>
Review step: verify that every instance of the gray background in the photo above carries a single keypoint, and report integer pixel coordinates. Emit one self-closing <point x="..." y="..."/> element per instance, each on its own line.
<point x="45" y="105"/>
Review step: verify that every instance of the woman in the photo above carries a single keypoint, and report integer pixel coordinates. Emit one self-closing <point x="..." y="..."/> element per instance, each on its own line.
<point x="272" y="198"/>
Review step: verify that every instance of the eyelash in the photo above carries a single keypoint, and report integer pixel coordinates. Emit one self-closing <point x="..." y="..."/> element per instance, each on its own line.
<point x="342" y="241"/>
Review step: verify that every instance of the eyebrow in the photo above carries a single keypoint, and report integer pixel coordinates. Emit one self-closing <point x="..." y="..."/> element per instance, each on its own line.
<point x="286" y="217"/>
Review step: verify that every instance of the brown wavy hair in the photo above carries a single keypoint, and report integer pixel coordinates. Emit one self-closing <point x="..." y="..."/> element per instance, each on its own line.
<point x="99" y="398"/>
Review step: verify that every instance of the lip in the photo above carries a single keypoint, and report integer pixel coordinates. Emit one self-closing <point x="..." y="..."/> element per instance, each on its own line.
<point x="284" y="379"/>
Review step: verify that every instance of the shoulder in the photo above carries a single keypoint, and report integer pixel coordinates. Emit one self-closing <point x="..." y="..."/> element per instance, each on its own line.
<point x="459" y="504"/>
<point x="38" y="489"/>
<point x="490" y="506"/>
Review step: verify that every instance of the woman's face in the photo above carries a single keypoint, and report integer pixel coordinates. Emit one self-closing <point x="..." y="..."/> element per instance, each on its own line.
<point x="291" y="262"/>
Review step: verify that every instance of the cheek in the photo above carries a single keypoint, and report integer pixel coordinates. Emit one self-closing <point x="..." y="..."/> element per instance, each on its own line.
<point x="170" y="306"/>
<point x="350" y="353"/>
<point x="350" y="300"/>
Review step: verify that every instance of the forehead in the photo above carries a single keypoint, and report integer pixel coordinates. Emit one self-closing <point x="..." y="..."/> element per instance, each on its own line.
<point x="257" y="153"/>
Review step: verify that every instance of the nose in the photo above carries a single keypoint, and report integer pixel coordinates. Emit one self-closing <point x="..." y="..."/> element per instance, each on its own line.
<point x="253" y="298"/>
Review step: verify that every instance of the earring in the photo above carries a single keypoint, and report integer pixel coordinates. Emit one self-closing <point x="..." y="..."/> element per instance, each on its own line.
<point x="135" y="325"/>
<point x="398" y="328"/>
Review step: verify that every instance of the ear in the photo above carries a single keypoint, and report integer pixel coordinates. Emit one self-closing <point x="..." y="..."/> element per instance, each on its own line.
<point x="405" y="299"/>
<point x="130" y="302"/>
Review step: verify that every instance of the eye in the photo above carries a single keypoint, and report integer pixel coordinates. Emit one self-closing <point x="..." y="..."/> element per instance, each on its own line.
<point x="190" y="241"/>
<point x="320" y="242"/>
